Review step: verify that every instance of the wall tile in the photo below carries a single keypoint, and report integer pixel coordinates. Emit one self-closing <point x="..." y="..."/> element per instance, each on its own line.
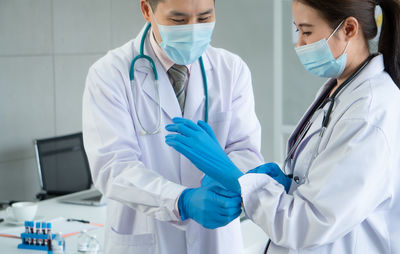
<point x="70" y="73"/>
<point x="126" y="20"/>
<point x="19" y="180"/>
<point x="25" y="27"/>
<point x="82" y="26"/>
<point x="27" y="104"/>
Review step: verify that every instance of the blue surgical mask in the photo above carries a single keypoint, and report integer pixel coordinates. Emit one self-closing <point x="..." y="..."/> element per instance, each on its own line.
<point x="184" y="44"/>
<point x="317" y="58"/>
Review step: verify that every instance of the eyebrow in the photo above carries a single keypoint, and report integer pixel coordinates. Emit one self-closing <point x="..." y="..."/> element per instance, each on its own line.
<point x="181" y="14"/>
<point x="209" y="11"/>
<point x="303" y="25"/>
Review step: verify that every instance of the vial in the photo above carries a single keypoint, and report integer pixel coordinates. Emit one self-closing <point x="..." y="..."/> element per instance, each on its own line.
<point x="94" y="246"/>
<point x="58" y="244"/>
<point x="44" y="232"/>
<point x="37" y="232"/>
<point x="49" y="236"/>
<point x="83" y="241"/>
<point x="27" y="240"/>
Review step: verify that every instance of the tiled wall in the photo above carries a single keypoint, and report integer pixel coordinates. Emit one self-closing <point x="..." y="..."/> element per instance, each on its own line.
<point x="47" y="46"/>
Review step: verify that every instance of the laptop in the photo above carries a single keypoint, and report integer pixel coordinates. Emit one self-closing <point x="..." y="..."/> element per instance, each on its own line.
<point x="64" y="169"/>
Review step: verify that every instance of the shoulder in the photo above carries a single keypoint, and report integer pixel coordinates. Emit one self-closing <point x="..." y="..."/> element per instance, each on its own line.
<point x="110" y="74"/>
<point x="377" y="94"/>
<point x="115" y="61"/>
<point x="384" y="90"/>
<point x="384" y="98"/>
<point x="376" y="101"/>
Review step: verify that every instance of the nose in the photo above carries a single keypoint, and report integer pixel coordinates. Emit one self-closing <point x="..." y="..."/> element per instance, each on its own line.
<point x="300" y="42"/>
<point x="192" y="20"/>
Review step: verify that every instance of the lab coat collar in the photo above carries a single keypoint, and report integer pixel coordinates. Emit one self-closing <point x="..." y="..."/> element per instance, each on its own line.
<point x="375" y="67"/>
<point x="321" y="93"/>
<point x="195" y="92"/>
<point x="168" y="100"/>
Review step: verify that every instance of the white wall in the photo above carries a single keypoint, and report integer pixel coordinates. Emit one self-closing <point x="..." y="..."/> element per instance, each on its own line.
<point x="47" y="46"/>
<point x="246" y="28"/>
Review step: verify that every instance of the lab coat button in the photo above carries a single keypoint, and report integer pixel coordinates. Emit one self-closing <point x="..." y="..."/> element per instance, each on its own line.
<point x="296" y="179"/>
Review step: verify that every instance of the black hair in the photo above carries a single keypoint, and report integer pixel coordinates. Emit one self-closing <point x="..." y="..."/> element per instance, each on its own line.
<point x="154" y="3"/>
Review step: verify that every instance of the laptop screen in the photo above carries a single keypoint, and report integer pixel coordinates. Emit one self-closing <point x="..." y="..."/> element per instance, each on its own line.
<point x="63" y="164"/>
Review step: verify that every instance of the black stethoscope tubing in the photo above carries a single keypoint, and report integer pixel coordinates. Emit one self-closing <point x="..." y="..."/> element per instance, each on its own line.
<point x="331" y="100"/>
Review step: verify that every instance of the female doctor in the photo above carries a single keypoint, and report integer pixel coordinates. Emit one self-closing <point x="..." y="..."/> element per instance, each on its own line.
<point x="340" y="193"/>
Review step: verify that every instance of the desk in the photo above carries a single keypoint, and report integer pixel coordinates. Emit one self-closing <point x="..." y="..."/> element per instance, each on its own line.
<point x="51" y="209"/>
<point x="254" y="239"/>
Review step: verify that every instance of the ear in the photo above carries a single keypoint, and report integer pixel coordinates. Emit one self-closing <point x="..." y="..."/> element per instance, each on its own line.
<point x="350" y="28"/>
<point x="146" y="11"/>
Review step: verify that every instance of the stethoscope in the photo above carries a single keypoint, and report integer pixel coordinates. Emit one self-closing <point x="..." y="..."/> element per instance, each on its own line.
<point x="141" y="55"/>
<point x="325" y="121"/>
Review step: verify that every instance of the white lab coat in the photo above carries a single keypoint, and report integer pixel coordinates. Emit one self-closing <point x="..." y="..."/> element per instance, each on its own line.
<point x="350" y="202"/>
<point x="140" y="175"/>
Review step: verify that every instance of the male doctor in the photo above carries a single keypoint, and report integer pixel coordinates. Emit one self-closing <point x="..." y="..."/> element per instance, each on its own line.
<point x="155" y="193"/>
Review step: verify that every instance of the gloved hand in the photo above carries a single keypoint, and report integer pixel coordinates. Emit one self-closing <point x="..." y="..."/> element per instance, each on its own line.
<point x="210" y="182"/>
<point x="212" y="207"/>
<point x="273" y="170"/>
<point x="199" y="144"/>
<point x="207" y="181"/>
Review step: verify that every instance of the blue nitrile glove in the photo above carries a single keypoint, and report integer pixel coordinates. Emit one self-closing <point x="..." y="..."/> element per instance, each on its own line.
<point x="273" y="170"/>
<point x="212" y="207"/>
<point x="199" y="144"/>
<point x="207" y="181"/>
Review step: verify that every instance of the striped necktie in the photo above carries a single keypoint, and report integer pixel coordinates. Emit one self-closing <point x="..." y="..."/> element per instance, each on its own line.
<point x="178" y="74"/>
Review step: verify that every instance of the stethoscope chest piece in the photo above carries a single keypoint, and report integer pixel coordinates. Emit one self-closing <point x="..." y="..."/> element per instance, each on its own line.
<point x="299" y="179"/>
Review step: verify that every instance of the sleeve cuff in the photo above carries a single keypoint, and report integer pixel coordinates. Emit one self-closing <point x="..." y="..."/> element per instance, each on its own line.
<point x="252" y="181"/>
<point x="253" y="188"/>
<point x="176" y="209"/>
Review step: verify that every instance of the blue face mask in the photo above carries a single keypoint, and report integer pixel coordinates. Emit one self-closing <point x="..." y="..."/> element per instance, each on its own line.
<point x="317" y="58"/>
<point x="184" y="44"/>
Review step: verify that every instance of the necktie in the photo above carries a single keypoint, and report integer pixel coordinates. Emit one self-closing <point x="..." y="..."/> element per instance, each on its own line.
<point x="178" y="74"/>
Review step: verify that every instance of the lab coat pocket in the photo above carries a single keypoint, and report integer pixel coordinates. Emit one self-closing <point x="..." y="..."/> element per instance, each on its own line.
<point x="220" y="123"/>
<point x="306" y="152"/>
<point x="131" y="243"/>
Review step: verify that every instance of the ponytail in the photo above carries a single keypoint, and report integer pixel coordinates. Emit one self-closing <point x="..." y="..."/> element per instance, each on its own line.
<point x="389" y="41"/>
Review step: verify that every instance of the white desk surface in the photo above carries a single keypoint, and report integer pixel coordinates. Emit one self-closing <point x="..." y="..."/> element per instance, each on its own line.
<point x="254" y="239"/>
